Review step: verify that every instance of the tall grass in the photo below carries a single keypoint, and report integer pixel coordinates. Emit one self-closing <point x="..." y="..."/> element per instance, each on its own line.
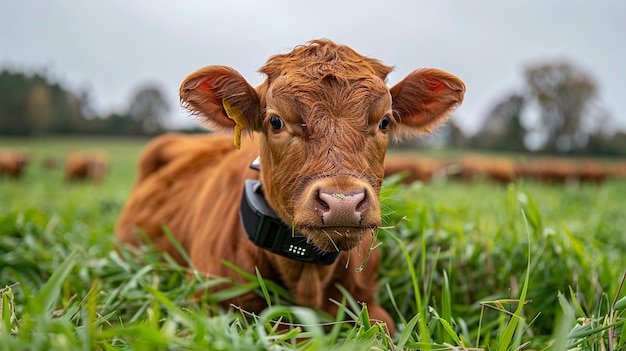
<point x="477" y="266"/>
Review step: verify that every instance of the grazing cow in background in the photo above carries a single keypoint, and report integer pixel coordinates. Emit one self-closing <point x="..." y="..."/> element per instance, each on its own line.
<point x="498" y="169"/>
<point x="618" y="170"/>
<point x="549" y="170"/>
<point x="13" y="163"/>
<point x="320" y="124"/>
<point x="86" y="166"/>
<point x="594" y="171"/>
<point x="413" y="168"/>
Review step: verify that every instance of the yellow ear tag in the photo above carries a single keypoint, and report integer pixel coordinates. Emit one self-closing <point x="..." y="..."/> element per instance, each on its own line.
<point x="238" y="118"/>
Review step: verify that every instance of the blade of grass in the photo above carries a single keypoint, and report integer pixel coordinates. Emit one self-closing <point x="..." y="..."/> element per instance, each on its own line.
<point x="266" y="294"/>
<point x="88" y="331"/>
<point x="423" y="327"/>
<point x="562" y="327"/>
<point x="394" y="303"/>
<point x="352" y="303"/>
<point x="169" y="305"/>
<point x="7" y="310"/>
<point x="179" y="248"/>
<point x="450" y="333"/>
<point x="406" y="333"/>
<point x="49" y="292"/>
<point x="271" y="286"/>
<point x="333" y="335"/>
<point x="504" y="341"/>
<point x="446" y="311"/>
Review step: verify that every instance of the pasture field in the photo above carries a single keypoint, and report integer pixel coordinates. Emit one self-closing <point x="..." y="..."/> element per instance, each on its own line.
<point x="457" y="260"/>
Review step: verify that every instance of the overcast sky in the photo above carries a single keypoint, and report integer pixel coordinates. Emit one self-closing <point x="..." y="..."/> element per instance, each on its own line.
<point x="112" y="47"/>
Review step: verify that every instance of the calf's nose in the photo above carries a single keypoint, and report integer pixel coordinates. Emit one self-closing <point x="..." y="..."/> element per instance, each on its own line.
<point x="341" y="210"/>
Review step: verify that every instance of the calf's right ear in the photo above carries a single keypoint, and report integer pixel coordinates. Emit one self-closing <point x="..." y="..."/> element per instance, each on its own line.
<point x="222" y="98"/>
<point x="424" y="100"/>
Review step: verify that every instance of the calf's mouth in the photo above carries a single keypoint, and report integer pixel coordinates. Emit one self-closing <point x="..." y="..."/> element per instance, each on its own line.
<point x="332" y="239"/>
<point x="335" y="214"/>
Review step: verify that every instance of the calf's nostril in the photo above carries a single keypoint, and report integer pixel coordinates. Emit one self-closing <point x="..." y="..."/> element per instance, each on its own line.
<point x="361" y="206"/>
<point x="322" y="205"/>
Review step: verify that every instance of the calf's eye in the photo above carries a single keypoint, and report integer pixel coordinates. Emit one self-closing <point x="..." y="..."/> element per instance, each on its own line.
<point x="384" y="123"/>
<point x="276" y="123"/>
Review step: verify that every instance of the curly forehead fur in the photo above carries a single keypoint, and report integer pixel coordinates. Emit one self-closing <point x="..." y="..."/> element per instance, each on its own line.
<point x="319" y="59"/>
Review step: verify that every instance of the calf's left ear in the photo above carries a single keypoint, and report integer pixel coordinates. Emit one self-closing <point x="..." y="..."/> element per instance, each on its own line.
<point x="424" y="100"/>
<point x="222" y="98"/>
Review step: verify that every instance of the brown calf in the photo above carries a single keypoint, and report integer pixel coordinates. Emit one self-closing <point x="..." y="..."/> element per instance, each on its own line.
<point x="320" y="123"/>
<point x="91" y="166"/>
<point x="13" y="163"/>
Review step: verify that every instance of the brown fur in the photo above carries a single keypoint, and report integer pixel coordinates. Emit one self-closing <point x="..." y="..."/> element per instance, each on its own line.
<point x="81" y="166"/>
<point x="332" y="101"/>
<point x="13" y="163"/>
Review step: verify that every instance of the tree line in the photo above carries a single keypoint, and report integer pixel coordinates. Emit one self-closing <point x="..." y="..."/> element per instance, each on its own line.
<point x="33" y="105"/>
<point x="556" y="111"/>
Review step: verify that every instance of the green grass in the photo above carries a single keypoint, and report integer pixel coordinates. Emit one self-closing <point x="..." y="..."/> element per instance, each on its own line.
<point x="457" y="259"/>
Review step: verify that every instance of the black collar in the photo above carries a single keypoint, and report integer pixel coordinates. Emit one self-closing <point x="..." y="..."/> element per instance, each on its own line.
<point x="267" y="230"/>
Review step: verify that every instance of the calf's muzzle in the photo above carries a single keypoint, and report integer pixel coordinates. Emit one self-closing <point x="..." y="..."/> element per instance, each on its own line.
<point x="340" y="209"/>
<point x="336" y="212"/>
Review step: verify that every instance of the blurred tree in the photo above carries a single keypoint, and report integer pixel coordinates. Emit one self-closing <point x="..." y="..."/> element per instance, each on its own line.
<point x="14" y="89"/>
<point x="148" y="109"/>
<point x="502" y="129"/>
<point x="455" y="136"/>
<point x="564" y="95"/>
<point x="449" y="134"/>
<point x="66" y="114"/>
<point x="120" y="124"/>
<point x="39" y="111"/>
<point x="607" y="145"/>
<point x="30" y="104"/>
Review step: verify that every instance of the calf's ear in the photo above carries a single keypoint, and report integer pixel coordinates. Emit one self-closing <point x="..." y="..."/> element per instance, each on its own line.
<point x="222" y="98"/>
<point x="424" y="100"/>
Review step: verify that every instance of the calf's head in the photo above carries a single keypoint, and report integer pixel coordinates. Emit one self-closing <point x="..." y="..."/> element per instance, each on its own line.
<point x="324" y="115"/>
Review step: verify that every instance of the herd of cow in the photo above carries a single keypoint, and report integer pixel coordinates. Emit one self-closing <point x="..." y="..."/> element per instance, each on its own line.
<point x="290" y="190"/>
<point x="504" y="170"/>
<point x="78" y="166"/>
<point x="93" y="166"/>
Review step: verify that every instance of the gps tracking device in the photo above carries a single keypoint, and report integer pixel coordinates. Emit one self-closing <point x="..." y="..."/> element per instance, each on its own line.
<point x="264" y="228"/>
